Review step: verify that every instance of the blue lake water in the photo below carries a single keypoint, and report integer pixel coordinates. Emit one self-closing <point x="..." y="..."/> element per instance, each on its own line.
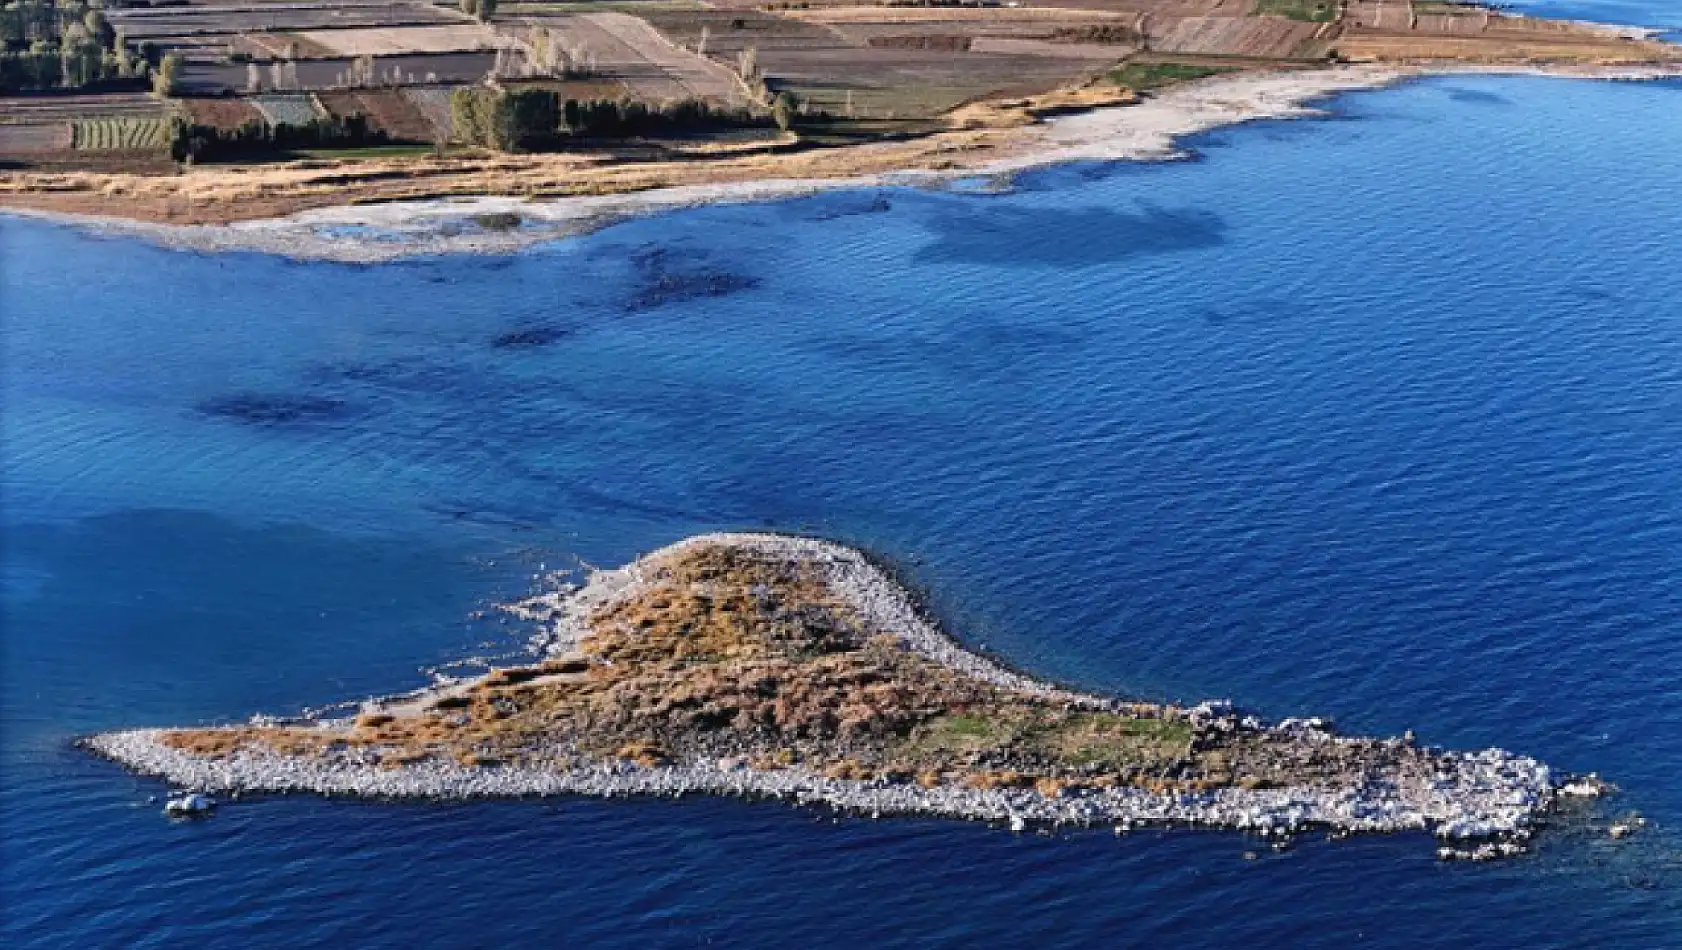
<point x="1375" y="417"/>
<point x="1664" y="15"/>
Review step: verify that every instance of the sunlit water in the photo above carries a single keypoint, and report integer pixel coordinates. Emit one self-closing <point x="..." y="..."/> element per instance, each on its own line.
<point x="1662" y="15"/>
<point x="1376" y="417"/>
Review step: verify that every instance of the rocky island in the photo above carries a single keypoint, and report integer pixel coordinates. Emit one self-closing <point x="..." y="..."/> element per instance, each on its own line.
<point x="797" y="669"/>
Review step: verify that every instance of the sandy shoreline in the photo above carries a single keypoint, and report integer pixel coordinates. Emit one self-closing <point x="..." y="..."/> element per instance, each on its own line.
<point x="1492" y="798"/>
<point x="381" y="232"/>
<point x="1148" y="131"/>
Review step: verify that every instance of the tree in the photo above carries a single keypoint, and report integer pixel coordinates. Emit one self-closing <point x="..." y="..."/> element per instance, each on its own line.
<point x="362" y="71"/>
<point x="785" y="110"/>
<point x="528" y="118"/>
<point x="487" y="9"/>
<point x="471" y="115"/>
<point x="100" y="28"/>
<point x="168" y="77"/>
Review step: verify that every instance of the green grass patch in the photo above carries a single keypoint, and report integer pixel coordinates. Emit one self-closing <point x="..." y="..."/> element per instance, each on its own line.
<point x="126" y="135"/>
<point x="373" y="151"/>
<point x="1308" y="11"/>
<point x="966" y="732"/>
<point x="1116" y="741"/>
<point x="1142" y="77"/>
<point x="1077" y="739"/>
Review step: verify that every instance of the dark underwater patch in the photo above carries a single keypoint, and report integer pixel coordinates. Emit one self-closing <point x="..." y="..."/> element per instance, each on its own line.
<point x="258" y="409"/>
<point x="1047" y="237"/>
<point x="852" y="206"/>
<point x="676" y="288"/>
<point x="1477" y="96"/>
<point x="666" y="277"/>
<point x="529" y="338"/>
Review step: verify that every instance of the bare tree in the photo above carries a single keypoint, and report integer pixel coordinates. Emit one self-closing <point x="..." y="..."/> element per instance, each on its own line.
<point x="362" y="71"/>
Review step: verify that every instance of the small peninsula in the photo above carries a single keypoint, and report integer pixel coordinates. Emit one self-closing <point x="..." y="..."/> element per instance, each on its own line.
<point x="793" y="668"/>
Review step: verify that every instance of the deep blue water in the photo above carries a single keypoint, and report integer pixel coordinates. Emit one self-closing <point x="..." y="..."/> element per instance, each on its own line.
<point x="1376" y="417"/>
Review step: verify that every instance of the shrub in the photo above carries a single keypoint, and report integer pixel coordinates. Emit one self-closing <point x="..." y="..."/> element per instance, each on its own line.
<point x="785" y="110"/>
<point x="471" y="114"/>
<point x="167" y="78"/>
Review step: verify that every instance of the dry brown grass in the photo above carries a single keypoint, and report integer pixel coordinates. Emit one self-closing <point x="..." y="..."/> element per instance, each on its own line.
<point x="224" y="194"/>
<point x="388" y="41"/>
<point x="722" y="650"/>
<point x="726" y="651"/>
<point x="1544" y="48"/>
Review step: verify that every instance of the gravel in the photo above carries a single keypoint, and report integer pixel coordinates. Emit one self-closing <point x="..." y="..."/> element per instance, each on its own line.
<point x="1484" y="795"/>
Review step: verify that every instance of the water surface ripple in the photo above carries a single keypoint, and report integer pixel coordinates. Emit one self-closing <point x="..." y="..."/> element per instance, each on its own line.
<point x="1375" y="417"/>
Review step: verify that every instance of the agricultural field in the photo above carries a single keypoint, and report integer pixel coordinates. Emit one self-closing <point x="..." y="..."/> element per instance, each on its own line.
<point x="41" y="125"/>
<point x="432" y="103"/>
<point x="651" y="66"/>
<point x="271" y="46"/>
<point x="290" y="109"/>
<point x="870" y="70"/>
<point x="388" y="110"/>
<point x="881" y="63"/>
<point x="222" y="20"/>
<point x="1308" y="11"/>
<point x="212" y="77"/>
<point x="395" y="41"/>
<point x="1257" y="36"/>
<point x="224" y="114"/>
<point x="28" y="138"/>
<point x="121" y="134"/>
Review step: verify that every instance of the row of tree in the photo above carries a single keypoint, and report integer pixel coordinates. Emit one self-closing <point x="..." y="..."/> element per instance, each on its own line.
<point x="65" y="44"/>
<point x="538" y="119"/>
<point x="257" y="140"/>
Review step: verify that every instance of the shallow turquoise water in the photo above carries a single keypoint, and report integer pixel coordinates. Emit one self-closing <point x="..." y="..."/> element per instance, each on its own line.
<point x="1375" y="417"/>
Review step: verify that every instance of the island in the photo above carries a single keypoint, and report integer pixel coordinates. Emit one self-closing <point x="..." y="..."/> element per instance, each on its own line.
<point x="793" y="668"/>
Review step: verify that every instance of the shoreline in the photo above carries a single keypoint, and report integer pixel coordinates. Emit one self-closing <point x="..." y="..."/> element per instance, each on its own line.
<point x="1484" y="804"/>
<point x="1148" y="131"/>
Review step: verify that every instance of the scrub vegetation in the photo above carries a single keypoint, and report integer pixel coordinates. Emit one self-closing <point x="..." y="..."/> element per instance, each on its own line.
<point x="723" y="651"/>
<point x="1309" y="11"/>
<point x="1144" y="77"/>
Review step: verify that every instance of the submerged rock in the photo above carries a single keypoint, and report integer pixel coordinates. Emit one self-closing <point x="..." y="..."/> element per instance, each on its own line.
<point x="190" y="805"/>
